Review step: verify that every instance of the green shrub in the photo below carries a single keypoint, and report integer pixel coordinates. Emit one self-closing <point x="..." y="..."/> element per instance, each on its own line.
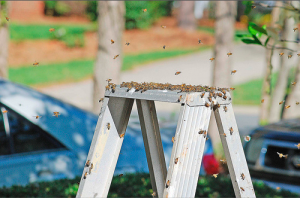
<point x="136" y="185"/>
<point x="56" y="8"/>
<point x="135" y="17"/>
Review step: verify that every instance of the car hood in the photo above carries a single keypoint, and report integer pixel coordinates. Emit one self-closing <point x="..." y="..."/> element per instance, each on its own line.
<point x="74" y="127"/>
<point x="276" y="134"/>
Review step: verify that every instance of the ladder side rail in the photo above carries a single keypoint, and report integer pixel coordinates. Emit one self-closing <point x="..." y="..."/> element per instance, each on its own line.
<point x="153" y="145"/>
<point x="234" y="153"/>
<point x="105" y="147"/>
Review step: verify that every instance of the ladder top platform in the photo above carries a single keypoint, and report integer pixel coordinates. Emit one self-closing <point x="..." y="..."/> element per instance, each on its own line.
<point x="173" y="96"/>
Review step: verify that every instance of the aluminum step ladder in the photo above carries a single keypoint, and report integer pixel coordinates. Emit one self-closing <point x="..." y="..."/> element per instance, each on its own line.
<point x="182" y="176"/>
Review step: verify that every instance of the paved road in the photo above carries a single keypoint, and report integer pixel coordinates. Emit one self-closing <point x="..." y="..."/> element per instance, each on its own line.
<point x="196" y="68"/>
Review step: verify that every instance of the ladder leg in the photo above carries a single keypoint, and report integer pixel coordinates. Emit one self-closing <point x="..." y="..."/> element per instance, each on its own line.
<point x="105" y="147"/>
<point x="153" y="145"/>
<point x="187" y="152"/>
<point x="234" y="152"/>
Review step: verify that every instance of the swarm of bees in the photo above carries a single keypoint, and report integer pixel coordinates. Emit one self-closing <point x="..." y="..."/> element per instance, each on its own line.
<point x="281" y="155"/>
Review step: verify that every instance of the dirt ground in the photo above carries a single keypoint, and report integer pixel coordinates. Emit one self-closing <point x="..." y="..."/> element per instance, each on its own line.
<point x="52" y="51"/>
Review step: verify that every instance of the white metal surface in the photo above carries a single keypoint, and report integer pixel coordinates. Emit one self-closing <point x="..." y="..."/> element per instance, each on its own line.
<point x="188" y="148"/>
<point x="153" y="145"/>
<point x="105" y="147"/>
<point x="182" y="176"/>
<point x="234" y="153"/>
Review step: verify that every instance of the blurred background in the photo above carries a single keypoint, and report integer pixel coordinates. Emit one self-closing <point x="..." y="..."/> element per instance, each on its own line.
<point x="68" y="49"/>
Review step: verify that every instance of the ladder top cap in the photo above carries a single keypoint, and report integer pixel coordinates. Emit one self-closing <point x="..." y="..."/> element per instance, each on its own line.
<point x="192" y="95"/>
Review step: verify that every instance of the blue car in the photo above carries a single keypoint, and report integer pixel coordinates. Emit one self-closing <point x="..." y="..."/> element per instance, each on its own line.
<point x="36" y="145"/>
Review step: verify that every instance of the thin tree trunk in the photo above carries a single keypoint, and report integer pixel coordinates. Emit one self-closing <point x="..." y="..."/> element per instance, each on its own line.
<point x="4" y="39"/>
<point x="186" y="15"/>
<point x="224" y="35"/>
<point x="266" y="87"/>
<point x="111" y="23"/>
<point x="282" y="80"/>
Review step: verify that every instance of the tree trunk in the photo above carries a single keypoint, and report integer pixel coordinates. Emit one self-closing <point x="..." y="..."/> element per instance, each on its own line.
<point x="282" y="79"/>
<point x="4" y="39"/>
<point x="224" y="35"/>
<point x="111" y="24"/>
<point x="266" y="87"/>
<point x="186" y="16"/>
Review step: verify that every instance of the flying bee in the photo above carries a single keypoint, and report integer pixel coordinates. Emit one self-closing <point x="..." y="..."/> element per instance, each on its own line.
<point x="107" y="87"/>
<point x="116" y="56"/>
<point x="278" y="188"/>
<point x="215" y="175"/>
<point x="295" y="29"/>
<point x="281" y="155"/>
<point x="231" y="130"/>
<point x="253" y="6"/>
<point x="85" y="174"/>
<point x="108" y="80"/>
<point x="224" y="134"/>
<point x="153" y="194"/>
<point x="56" y="114"/>
<point x="207" y="138"/>
<point x="298" y="54"/>
<point x="180" y="97"/>
<point x="168" y="184"/>
<point x="121" y="175"/>
<point x="173" y="139"/>
<point x="290" y="56"/>
<point x="233" y="72"/>
<point x="298" y="145"/>
<point x="37" y="117"/>
<point x="262" y="101"/>
<point x="122" y="135"/>
<point x="297" y="103"/>
<point x="243" y="176"/>
<point x="101" y="100"/>
<point x="199" y="41"/>
<point x="211" y="59"/>
<point x="163" y="26"/>
<point x="247" y="138"/>
<point x="51" y="30"/>
<point x="177" y="73"/>
<point x="7" y="19"/>
<point x="231" y="88"/>
<point x="176" y="160"/>
<point x="87" y="164"/>
<point x="207" y="104"/>
<point x="127" y="43"/>
<point x="281" y="102"/>
<point x="287" y="106"/>
<point x="294" y="83"/>
<point x="36" y="63"/>
<point x="223" y="161"/>
<point x="281" y="54"/>
<point x="164" y="47"/>
<point x="108" y="126"/>
<point x="4" y="111"/>
<point x="112" y="41"/>
<point x="144" y="10"/>
<point x="229" y="54"/>
<point x="242" y="188"/>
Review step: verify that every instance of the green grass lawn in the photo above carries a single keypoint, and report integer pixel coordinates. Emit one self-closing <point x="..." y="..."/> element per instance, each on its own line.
<point x="80" y="69"/>
<point x="20" y="32"/>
